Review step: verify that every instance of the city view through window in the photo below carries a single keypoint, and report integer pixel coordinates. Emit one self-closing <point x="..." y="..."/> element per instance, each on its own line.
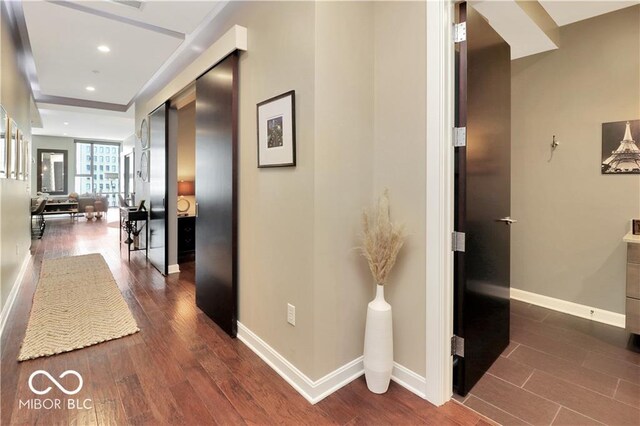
<point x="97" y="170"/>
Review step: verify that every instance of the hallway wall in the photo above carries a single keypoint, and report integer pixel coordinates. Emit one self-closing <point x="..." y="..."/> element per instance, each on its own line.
<point x="15" y="228"/>
<point x="299" y="226"/>
<point x="567" y="243"/>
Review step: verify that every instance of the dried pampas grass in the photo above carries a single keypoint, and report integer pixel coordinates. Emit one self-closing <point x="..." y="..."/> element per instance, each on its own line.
<point x="381" y="240"/>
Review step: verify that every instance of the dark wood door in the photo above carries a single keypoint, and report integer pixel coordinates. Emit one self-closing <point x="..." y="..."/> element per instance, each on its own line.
<point x="483" y="199"/>
<point x="158" y="188"/>
<point x="217" y="193"/>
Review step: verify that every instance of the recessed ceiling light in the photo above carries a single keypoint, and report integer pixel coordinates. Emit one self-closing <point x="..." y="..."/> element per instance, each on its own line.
<point x="66" y="123"/>
<point x="64" y="134"/>
<point x="90" y="88"/>
<point x="104" y="48"/>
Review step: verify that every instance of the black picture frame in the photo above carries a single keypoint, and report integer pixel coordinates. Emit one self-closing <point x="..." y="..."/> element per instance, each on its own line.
<point x="287" y="119"/>
<point x="615" y="157"/>
<point x="65" y="161"/>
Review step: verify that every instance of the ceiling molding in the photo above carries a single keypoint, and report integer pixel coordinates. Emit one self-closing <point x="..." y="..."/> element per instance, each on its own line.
<point x="182" y="56"/>
<point x="19" y="31"/>
<point x="121" y="19"/>
<point x="83" y="103"/>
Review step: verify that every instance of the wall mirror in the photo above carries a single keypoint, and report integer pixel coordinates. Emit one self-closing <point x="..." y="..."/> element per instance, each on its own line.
<point x="52" y="171"/>
<point x="3" y="143"/>
<point x="129" y="181"/>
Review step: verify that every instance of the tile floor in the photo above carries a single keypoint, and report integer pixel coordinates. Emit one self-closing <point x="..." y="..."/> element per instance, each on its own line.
<point x="561" y="370"/>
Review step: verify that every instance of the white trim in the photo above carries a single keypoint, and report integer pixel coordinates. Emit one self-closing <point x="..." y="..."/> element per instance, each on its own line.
<point x="13" y="294"/>
<point x="576" y="309"/>
<point x="173" y="269"/>
<point x="315" y="391"/>
<point x="439" y="164"/>
<point x="312" y="391"/>
<point x="157" y="92"/>
<point x="408" y="379"/>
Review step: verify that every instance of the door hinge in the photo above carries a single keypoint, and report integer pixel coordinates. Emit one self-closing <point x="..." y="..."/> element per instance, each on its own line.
<point x="457" y="346"/>
<point x="457" y="241"/>
<point x="459" y="136"/>
<point x="459" y="32"/>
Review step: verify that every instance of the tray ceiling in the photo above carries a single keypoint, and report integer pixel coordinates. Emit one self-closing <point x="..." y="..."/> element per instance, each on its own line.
<point x="64" y="39"/>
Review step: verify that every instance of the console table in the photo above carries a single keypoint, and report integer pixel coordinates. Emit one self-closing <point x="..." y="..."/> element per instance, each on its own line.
<point x="64" y="207"/>
<point x="129" y="219"/>
<point x="186" y="237"/>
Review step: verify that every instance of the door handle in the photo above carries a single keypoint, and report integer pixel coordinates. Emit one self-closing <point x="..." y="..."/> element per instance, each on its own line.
<point x="507" y="220"/>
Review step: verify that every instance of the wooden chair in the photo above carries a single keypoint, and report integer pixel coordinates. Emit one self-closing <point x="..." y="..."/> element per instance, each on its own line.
<point x="38" y="223"/>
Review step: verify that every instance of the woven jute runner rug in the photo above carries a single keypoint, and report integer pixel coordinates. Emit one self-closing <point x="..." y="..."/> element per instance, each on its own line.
<point x="77" y="304"/>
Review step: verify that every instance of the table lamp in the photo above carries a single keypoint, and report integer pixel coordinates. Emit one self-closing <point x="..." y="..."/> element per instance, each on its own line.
<point x="185" y="187"/>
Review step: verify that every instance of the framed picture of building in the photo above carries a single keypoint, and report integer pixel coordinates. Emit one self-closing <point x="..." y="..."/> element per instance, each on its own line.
<point x="12" y="150"/>
<point x="621" y="147"/>
<point x="277" y="131"/>
<point x="20" y="155"/>
<point x="3" y="142"/>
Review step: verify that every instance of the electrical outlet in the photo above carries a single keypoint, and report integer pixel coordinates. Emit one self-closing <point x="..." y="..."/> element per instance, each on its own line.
<point x="291" y="314"/>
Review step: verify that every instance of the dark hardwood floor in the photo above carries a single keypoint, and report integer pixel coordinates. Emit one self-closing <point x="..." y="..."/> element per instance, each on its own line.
<point x="561" y="370"/>
<point x="181" y="368"/>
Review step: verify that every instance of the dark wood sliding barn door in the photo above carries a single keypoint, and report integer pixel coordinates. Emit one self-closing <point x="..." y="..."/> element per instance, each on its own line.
<point x="217" y="193"/>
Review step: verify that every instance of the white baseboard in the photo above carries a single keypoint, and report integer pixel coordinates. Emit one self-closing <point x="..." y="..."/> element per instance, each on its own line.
<point x="315" y="391"/>
<point x="312" y="391"/>
<point x="582" y="311"/>
<point x="409" y="380"/>
<point x="173" y="269"/>
<point x="13" y="294"/>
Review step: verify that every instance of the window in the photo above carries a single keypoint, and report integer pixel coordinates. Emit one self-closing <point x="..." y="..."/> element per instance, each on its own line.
<point x="88" y="160"/>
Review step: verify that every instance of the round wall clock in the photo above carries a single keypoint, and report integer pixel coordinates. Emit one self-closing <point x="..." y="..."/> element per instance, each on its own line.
<point x="144" y="166"/>
<point x="144" y="134"/>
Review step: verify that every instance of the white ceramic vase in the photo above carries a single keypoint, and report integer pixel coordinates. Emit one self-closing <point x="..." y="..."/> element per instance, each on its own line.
<point x="378" y="344"/>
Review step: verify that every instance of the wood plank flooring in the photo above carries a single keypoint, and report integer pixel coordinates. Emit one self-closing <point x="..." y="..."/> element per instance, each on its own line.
<point x="561" y="370"/>
<point x="181" y="369"/>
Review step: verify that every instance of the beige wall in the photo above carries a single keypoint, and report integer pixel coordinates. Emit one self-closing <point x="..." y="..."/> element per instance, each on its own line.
<point x="568" y="241"/>
<point x="344" y="102"/>
<point x="299" y="226"/>
<point x="187" y="142"/>
<point x="277" y="205"/>
<point x="399" y="163"/>
<point x="15" y="231"/>
<point x="186" y="157"/>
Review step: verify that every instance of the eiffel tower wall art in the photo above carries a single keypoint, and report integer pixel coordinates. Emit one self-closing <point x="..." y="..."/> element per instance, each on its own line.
<point x="621" y="147"/>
